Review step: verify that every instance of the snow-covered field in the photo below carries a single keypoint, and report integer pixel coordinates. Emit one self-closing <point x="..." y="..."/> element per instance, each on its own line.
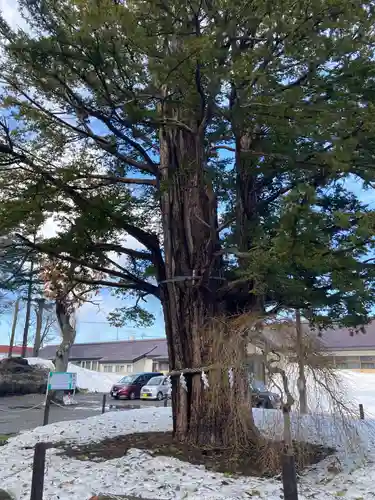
<point x="350" y="387"/>
<point x="349" y="474"/>
<point x="88" y="380"/>
<point x="138" y="473"/>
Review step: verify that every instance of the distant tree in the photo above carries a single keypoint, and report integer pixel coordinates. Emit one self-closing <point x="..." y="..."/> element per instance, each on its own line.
<point x="45" y="324"/>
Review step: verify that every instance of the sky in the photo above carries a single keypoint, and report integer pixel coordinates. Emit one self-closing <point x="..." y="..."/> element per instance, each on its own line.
<point x="92" y="325"/>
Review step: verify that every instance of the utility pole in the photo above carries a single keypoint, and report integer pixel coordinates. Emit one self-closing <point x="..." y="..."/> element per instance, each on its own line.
<point x="14" y="326"/>
<point x="301" y="364"/>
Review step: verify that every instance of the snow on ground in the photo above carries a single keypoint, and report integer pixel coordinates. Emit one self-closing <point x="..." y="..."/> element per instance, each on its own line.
<point x="138" y="473"/>
<point x="88" y="380"/>
<point x="351" y="388"/>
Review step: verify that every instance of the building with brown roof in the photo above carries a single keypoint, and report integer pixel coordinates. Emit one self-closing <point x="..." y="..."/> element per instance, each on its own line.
<point x="351" y="350"/>
<point x="123" y="356"/>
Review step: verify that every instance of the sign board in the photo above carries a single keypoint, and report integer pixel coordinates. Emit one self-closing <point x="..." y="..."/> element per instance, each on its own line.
<point x="62" y="381"/>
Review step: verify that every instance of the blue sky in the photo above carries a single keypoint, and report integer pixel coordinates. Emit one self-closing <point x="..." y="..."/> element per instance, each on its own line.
<point x="92" y="325"/>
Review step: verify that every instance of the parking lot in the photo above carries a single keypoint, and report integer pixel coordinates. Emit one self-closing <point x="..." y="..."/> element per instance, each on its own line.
<point x="19" y="413"/>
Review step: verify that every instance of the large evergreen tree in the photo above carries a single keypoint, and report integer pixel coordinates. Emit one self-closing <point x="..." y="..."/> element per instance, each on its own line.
<point x="220" y="136"/>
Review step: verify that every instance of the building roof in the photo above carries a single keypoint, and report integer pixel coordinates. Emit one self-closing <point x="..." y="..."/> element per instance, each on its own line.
<point x="122" y="350"/>
<point x="17" y="350"/>
<point x="343" y="339"/>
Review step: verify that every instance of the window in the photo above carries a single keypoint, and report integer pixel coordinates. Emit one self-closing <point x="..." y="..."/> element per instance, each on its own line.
<point x="120" y="368"/>
<point x="129" y="368"/>
<point x="95" y="365"/>
<point x="142" y="379"/>
<point x="129" y="379"/>
<point x="160" y="366"/>
<point x="348" y="362"/>
<point x="108" y="368"/>
<point x="368" y="366"/>
<point x="155" y="381"/>
<point x="366" y="359"/>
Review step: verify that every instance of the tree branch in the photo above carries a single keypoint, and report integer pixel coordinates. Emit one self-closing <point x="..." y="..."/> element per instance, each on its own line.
<point x="87" y="132"/>
<point x="113" y="247"/>
<point x="137" y="282"/>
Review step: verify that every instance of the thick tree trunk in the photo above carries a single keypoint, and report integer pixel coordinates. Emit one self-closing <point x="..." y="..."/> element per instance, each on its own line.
<point x="38" y="330"/>
<point x="189" y="296"/>
<point x="68" y="334"/>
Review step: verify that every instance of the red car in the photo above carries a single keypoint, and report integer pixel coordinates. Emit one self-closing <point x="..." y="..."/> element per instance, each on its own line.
<point x="129" y="387"/>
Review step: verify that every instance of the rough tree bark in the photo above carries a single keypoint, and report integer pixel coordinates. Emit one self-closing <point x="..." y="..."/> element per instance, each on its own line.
<point x="68" y="333"/>
<point x="192" y="278"/>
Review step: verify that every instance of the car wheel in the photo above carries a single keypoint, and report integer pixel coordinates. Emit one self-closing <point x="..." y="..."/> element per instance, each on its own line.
<point x="160" y="396"/>
<point x="132" y="396"/>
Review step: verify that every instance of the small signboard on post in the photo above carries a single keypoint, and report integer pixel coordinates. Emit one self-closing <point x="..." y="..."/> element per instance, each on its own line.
<point x="62" y="381"/>
<point x="58" y="381"/>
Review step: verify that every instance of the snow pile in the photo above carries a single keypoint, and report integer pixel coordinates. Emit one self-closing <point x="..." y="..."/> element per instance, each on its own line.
<point x="92" y="381"/>
<point x="141" y="474"/>
<point x="43" y="363"/>
<point x="350" y="388"/>
<point x="361" y="389"/>
<point x="87" y="380"/>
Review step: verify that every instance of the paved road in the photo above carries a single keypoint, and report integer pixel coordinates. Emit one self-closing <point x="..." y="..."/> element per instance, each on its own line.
<point x="18" y="413"/>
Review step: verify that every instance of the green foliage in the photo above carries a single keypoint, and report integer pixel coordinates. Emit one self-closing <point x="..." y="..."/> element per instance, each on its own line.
<point x="281" y="95"/>
<point x="136" y="314"/>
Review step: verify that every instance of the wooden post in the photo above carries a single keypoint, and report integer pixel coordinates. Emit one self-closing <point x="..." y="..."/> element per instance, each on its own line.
<point x="46" y="409"/>
<point x="37" y="483"/>
<point x="289" y="477"/>
<point x="166" y="401"/>
<point x="361" y="412"/>
<point x="103" y="403"/>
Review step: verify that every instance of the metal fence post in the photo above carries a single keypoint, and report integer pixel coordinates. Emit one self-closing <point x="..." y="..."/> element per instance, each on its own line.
<point x="289" y="477"/>
<point x="46" y="409"/>
<point x="361" y="412"/>
<point x="103" y="403"/>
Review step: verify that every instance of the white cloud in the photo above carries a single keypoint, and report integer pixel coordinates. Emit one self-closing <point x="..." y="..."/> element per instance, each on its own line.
<point x="49" y="228"/>
<point x="11" y="13"/>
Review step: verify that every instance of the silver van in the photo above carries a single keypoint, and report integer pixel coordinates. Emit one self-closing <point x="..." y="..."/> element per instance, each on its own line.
<point x="156" y="388"/>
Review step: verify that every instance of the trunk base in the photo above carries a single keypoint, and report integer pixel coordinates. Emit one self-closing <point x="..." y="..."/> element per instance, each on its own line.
<point x="250" y="462"/>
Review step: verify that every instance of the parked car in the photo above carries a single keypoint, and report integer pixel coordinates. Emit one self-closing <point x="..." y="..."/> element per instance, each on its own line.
<point x="156" y="388"/>
<point x="129" y="387"/>
<point x="262" y="397"/>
